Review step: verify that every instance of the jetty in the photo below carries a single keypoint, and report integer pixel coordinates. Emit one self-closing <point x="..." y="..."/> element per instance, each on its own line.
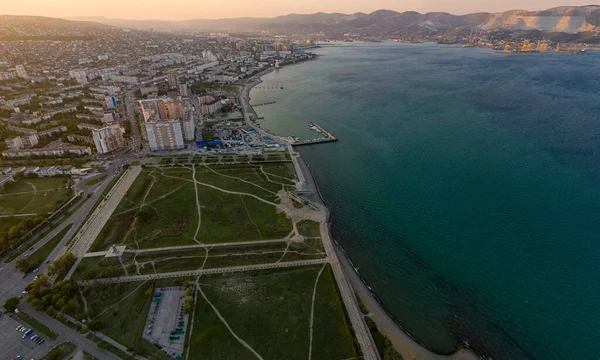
<point x="263" y="104"/>
<point x="329" y="137"/>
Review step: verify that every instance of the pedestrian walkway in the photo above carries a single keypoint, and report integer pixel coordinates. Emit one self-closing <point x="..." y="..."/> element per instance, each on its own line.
<point x="92" y="227"/>
<point x="179" y="274"/>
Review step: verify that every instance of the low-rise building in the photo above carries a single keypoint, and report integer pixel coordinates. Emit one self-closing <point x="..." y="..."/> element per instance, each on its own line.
<point x="21" y="142"/>
<point x="5" y="179"/>
<point x="81" y="138"/>
<point x="58" y="151"/>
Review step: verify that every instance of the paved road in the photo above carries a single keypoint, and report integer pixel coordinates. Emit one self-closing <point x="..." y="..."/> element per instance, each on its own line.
<point x="130" y="109"/>
<point x="12" y="281"/>
<point x="65" y="333"/>
<point x="189" y="247"/>
<point x="178" y="274"/>
<point x="363" y="335"/>
<point x="91" y="229"/>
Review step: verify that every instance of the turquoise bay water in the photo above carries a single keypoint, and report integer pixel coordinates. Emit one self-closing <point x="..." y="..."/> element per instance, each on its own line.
<point x="465" y="187"/>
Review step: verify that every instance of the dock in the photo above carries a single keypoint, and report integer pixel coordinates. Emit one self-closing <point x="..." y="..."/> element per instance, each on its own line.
<point x="330" y="138"/>
<point x="263" y="104"/>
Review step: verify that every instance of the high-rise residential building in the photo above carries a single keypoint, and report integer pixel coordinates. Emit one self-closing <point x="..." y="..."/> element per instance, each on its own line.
<point x="183" y="90"/>
<point x="189" y="126"/>
<point x="108" y="139"/>
<point x="79" y="75"/>
<point x="164" y="135"/>
<point x="166" y="122"/>
<point x="21" y="72"/>
<point x="172" y="79"/>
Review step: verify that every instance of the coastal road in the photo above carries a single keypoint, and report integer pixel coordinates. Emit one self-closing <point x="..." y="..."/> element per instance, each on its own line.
<point x="178" y="274"/>
<point x="91" y="229"/>
<point x="363" y="335"/>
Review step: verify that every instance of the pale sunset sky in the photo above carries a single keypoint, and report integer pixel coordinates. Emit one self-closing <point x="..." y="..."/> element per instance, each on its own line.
<point x="214" y="9"/>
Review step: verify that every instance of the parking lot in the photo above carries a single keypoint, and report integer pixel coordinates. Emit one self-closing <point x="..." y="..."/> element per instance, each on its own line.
<point x="166" y="323"/>
<point x="12" y="343"/>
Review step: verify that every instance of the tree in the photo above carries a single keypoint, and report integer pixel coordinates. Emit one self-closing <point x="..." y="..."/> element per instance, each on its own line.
<point x="62" y="265"/>
<point x="11" y="304"/>
<point x="96" y="325"/>
<point x="187" y="305"/>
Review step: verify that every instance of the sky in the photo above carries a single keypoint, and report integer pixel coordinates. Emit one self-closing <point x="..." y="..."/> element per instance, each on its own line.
<point x="214" y="9"/>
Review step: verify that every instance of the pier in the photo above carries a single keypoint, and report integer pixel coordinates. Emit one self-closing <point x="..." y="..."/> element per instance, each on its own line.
<point x="263" y="104"/>
<point x="329" y="138"/>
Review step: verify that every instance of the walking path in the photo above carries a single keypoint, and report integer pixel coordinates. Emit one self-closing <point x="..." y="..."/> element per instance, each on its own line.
<point x="312" y="313"/>
<point x="178" y="274"/>
<point x="92" y="227"/>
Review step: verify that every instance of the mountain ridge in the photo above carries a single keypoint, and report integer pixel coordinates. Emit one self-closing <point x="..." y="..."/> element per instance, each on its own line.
<point x="568" y="19"/>
<point x="383" y="22"/>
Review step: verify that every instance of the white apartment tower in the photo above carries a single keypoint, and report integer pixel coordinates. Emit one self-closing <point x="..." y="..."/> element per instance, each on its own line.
<point x="21" y="72"/>
<point x="172" y="79"/>
<point x="108" y="139"/>
<point x="79" y="75"/>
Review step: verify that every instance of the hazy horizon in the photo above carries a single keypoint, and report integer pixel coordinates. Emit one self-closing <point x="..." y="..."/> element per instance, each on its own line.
<point x="190" y="9"/>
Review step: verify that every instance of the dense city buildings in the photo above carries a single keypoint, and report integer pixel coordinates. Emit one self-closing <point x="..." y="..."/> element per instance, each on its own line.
<point x="59" y="151"/>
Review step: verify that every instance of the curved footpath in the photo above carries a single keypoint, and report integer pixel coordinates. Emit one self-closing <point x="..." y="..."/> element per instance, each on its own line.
<point x="401" y="341"/>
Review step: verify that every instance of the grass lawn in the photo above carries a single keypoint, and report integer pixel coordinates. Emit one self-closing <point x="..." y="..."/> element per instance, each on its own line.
<point x="115" y="350"/>
<point x="309" y="228"/>
<point x="37" y="326"/>
<point x="194" y="259"/>
<point x="95" y="181"/>
<point x="160" y="209"/>
<point x="100" y="267"/>
<point x="87" y="356"/>
<point x="37" y="195"/>
<point x="123" y="309"/>
<point x="60" y="352"/>
<point x="270" y="310"/>
<point x="37" y="258"/>
<point x="285" y="170"/>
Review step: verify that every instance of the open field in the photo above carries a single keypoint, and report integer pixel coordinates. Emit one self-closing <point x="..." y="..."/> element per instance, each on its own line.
<point x="36" y="195"/>
<point x="122" y="310"/>
<point x="167" y="207"/>
<point x="101" y="267"/>
<point x="309" y="228"/>
<point x="270" y="310"/>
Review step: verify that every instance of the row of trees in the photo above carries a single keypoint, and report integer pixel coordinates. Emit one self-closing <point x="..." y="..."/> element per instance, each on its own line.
<point x="62" y="298"/>
<point x="15" y="235"/>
